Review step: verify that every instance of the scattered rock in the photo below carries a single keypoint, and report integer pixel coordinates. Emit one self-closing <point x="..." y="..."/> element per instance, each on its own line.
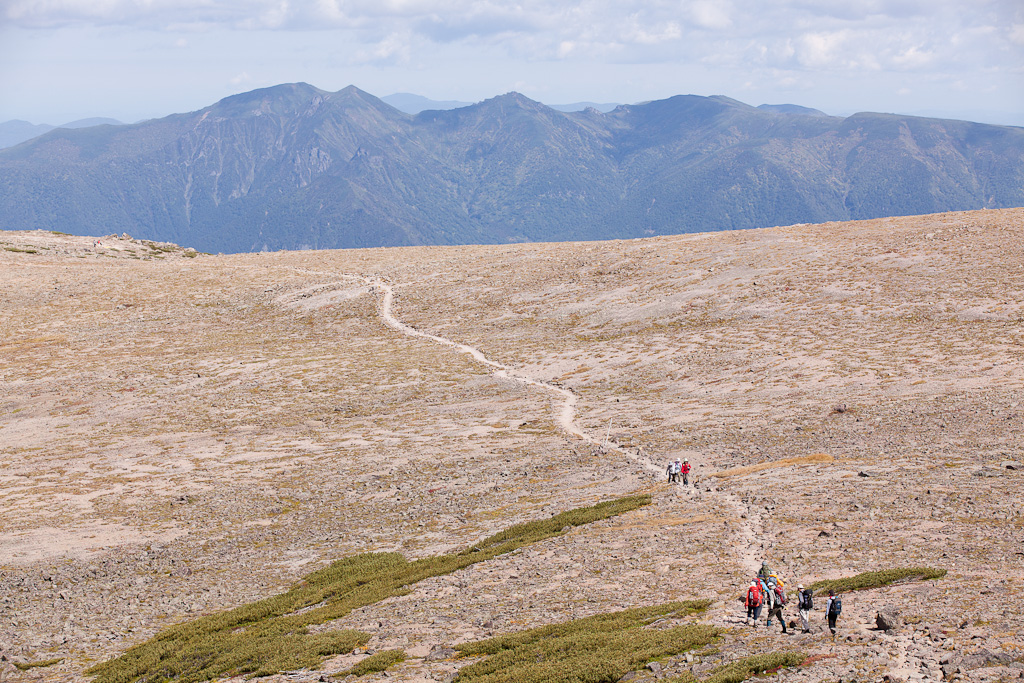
<point x="984" y="657"/>
<point x="985" y="472"/>
<point x="439" y="653"/>
<point x="888" y="618"/>
<point x="1011" y="465"/>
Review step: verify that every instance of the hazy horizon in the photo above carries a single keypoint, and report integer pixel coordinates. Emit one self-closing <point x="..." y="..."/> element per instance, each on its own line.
<point x="996" y="118"/>
<point x="134" y="61"/>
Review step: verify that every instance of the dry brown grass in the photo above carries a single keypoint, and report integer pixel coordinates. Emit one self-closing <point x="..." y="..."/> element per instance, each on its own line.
<point x="814" y="459"/>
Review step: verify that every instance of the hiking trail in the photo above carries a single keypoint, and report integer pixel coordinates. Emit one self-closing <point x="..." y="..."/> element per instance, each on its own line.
<point x="753" y="544"/>
<point x="566" y="416"/>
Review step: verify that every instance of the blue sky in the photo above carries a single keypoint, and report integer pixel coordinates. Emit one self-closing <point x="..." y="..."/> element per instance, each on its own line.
<point x="62" y="60"/>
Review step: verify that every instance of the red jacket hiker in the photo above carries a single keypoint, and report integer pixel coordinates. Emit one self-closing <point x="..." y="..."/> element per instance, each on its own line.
<point x="753" y="597"/>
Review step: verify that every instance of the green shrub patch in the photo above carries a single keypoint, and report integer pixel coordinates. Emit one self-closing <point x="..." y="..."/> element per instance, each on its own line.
<point x="271" y="635"/>
<point x="595" y="649"/>
<point x="756" y="665"/>
<point x="25" y="666"/>
<point x="380" y="661"/>
<point x="885" y="577"/>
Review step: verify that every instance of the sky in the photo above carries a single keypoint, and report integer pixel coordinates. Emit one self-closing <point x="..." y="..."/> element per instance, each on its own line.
<point x="62" y="60"/>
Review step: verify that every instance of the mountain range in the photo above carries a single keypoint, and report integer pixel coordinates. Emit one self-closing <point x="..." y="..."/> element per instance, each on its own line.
<point x="293" y="166"/>
<point x="16" y="131"/>
<point x="414" y="104"/>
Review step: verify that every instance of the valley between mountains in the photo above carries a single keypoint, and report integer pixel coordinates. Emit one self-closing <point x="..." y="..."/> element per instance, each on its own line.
<point x="183" y="433"/>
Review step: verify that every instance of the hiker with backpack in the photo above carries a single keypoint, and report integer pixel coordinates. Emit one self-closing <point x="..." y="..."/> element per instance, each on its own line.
<point x="769" y="584"/>
<point x="673" y="471"/>
<point x="777" y="596"/>
<point x="765" y="593"/>
<point x="753" y="602"/>
<point x="685" y="469"/>
<point x="833" y="608"/>
<point x="804" y="605"/>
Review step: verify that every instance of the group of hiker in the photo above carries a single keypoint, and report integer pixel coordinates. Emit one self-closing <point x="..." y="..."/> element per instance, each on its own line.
<point x="767" y="589"/>
<point x="678" y="469"/>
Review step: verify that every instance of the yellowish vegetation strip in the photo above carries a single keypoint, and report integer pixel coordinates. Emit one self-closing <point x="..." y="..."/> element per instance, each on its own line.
<point x="272" y="635"/>
<point x="604" y="647"/>
<point x="814" y="459"/>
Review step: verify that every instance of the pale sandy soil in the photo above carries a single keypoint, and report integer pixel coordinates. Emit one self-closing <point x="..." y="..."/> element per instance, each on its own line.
<point x="179" y="435"/>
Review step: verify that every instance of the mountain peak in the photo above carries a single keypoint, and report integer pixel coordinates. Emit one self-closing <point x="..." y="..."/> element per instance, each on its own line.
<point x="514" y="99"/>
<point x="286" y="98"/>
<point x="791" y="109"/>
<point x="350" y="95"/>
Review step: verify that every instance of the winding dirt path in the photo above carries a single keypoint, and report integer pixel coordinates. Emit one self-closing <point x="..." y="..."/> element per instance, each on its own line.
<point x="753" y="542"/>
<point x="566" y="416"/>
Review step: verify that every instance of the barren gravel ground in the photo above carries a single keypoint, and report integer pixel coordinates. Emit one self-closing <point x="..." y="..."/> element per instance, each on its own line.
<point x="182" y="433"/>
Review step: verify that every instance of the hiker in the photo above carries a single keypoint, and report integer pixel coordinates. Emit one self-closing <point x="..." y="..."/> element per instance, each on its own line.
<point x="804" y="605"/>
<point x="753" y="602"/>
<point x="833" y="608"/>
<point x="765" y="599"/>
<point x="778" y="601"/>
<point x="768" y="584"/>
<point x="685" y="469"/>
<point x="764" y="572"/>
<point x="673" y="471"/>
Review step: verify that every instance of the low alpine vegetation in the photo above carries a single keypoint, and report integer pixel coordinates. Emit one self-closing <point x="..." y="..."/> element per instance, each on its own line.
<point x="595" y="649"/>
<point x="755" y="665"/>
<point x="885" y="577"/>
<point x="25" y="666"/>
<point x="271" y="635"/>
<point x="381" y="661"/>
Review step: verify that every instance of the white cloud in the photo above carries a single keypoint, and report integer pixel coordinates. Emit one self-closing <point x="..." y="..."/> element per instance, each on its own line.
<point x="822" y="50"/>
<point x="710" y="15"/>
<point x="788" y="45"/>
<point x="913" y="57"/>
<point x="1017" y="34"/>
<point x="394" y="49"/>
<point x="637" y="32"/>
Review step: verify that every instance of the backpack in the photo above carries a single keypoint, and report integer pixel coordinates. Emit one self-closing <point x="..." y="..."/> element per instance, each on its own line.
<point x="836" y="607"/>
<point x="780" y="595"/>
<point x="754" y="596"/>
<point x="807" y="597"/>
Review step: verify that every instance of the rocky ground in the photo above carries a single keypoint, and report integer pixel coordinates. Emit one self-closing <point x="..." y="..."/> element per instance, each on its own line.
<point x="181" y="433"/>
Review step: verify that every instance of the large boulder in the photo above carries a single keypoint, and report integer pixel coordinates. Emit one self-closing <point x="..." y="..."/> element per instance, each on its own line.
<point x="984" y="657"/>
<point x="888" y="619"/>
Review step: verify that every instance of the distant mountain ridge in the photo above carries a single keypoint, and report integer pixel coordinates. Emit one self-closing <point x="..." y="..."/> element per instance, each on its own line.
<point x="293" y="166"/>
<point x="414" y="104"/>
<point x="17" y="131"/>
